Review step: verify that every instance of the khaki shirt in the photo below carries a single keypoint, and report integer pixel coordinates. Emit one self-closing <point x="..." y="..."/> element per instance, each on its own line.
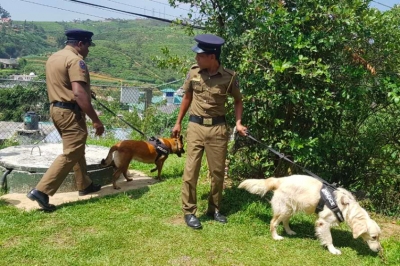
<point x="62" y="68"/>
<point x="210" y="92"/>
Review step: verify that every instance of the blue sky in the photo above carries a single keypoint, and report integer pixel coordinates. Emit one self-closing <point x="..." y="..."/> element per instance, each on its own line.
<point x="28" y="10"/>
<point x="382" y="4"/>
<point x="43" y="10"/>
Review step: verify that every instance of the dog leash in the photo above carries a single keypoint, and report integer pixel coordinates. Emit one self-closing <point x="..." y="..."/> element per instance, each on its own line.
<point x="327" y="197"/>
<point x="105" y="107"/>
<point x="282" y="156"/>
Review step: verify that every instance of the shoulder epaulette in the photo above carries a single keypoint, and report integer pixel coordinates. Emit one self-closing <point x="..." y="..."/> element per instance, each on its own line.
<point x="231" y="72"/>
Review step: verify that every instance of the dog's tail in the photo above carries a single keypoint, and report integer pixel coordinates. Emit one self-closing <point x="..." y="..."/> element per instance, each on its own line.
<point x="260" y="186"/>
<point x="109" y="160"/>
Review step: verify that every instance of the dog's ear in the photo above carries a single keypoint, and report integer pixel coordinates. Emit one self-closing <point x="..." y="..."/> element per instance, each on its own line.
<point x="345" y="200"/>
<point x="359" y="227"/>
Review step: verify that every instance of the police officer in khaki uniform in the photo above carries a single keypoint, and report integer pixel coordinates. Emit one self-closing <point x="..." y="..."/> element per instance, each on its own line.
<point x="68" y="87"/>
<point x="206" y="88"/>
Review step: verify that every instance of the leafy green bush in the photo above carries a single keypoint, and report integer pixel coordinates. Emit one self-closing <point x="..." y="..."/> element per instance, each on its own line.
<point x="316" y="78"/>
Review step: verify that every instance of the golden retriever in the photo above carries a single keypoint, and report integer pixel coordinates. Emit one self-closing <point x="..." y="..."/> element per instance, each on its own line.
<point x="302" y="193"/>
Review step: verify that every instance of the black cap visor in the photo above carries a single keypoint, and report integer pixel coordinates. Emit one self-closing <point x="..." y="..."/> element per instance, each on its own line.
<point x="203" y="48"/>
<point x="197" y="50"/>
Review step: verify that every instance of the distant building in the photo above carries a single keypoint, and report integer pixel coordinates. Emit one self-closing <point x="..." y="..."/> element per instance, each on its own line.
<point x="168" y="94"/>
<point x="24" y="77"/>
<point x="8" y="63"/>
<point x="5" y="20"/>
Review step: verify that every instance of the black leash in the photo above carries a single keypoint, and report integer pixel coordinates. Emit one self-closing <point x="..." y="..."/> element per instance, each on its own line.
<point x="281" y="156"/>
<point x="108" y="109"/>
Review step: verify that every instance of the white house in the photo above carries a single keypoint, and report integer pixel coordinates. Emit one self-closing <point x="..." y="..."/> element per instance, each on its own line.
<point x="24" y="77"/>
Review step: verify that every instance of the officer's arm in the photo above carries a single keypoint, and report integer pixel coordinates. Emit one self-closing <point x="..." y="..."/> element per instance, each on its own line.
<point x="238" y="114"/>
<point x="186" y="101"/>
<point x="83" y="99"/>
<point x="238" y="103"/>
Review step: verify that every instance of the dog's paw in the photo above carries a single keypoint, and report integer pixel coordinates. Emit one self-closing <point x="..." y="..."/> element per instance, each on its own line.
<point x="129" y="179"/>
<point x="117" y="188"/>
<point x="334" y="250"/>
<point x="277" y="237"/>
<point x="291" y="233"/>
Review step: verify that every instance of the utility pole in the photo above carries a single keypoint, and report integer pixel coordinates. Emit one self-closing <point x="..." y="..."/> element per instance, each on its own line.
<point x="149" y="96"/>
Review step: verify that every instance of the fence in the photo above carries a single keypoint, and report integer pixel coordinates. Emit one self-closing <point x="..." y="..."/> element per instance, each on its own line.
<point x="24" y="112"/>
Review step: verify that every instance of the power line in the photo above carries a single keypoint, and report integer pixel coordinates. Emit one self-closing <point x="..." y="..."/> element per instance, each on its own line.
<point x="136" y="7"/>
<point x="168" y="5"/>
<point x="381" y="4"/>
<point x="100" y="8"/>
<point x="132" y="13"/>
<point x="61" y="9"/>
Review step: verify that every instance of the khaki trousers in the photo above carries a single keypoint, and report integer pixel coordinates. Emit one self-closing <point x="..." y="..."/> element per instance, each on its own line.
<point x="213" y="140"/>
<point x="71" y="126"/>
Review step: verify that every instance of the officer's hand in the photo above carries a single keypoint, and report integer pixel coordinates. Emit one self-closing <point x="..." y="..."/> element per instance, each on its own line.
<point x="241" y="129"/>
<point x="176" y="131"/>
<point x="98" y="126"/>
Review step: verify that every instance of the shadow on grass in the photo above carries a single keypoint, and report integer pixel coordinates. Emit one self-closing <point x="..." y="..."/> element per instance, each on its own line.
<point x="343" y="239"/>
<point x="170" y="175"/>
<point x="237" y="200"/>
<point x="168" y="171"/>
<point x="3" y="203"/>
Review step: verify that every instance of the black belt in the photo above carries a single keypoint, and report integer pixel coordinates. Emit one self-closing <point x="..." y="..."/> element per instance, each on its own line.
<point x="207" y="121"/>
<point x="66" y="105"/>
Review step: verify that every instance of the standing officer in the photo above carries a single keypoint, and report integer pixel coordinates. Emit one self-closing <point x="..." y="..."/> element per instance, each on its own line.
<point x="206" y="89"/>
<point x="68" y="87"/>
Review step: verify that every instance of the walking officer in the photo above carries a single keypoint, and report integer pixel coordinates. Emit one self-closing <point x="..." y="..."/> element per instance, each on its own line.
<point x="68" y="87"/>
<point x="206" y="89"/>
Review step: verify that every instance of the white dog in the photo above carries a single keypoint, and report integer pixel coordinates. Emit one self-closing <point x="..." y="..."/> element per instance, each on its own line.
<point x="302" y="193"/>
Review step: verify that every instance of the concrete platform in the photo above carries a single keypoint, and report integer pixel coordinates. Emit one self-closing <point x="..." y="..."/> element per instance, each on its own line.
<point x="26" y="165"/>
<point x="20" y="200"/>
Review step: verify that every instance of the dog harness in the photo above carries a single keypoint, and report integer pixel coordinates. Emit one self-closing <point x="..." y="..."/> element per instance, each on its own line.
<point x="160" y="147"/>
<point x="328" y="199"/>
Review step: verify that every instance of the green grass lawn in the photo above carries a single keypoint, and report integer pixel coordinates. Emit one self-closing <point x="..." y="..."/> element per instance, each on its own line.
<point x="145" y="227"/>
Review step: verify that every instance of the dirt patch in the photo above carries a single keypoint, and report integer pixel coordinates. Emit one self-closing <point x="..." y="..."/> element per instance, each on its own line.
<point x="177" y="220"/>
<point x="11" y="242"/>
<point x="390" y="229"/>
<point x="183" y="261"/>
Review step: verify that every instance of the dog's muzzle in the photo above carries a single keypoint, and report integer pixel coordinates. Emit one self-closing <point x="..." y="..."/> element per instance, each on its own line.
<point x="180" y="152"/>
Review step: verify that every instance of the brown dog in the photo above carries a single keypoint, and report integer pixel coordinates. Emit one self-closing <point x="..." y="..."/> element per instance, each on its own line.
<point x="121" y="154"/>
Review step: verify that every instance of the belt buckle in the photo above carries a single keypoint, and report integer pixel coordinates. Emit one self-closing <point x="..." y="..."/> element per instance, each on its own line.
<point x="207" y="121"/>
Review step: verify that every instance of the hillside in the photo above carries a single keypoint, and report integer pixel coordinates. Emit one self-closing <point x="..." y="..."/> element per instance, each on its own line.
<point x="123" y="52"/>
<point x="22" y="39"/>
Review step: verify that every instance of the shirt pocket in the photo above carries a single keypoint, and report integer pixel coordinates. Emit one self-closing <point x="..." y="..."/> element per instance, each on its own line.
<point x="218" y="94"/>
<point x="196" y="85"/>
